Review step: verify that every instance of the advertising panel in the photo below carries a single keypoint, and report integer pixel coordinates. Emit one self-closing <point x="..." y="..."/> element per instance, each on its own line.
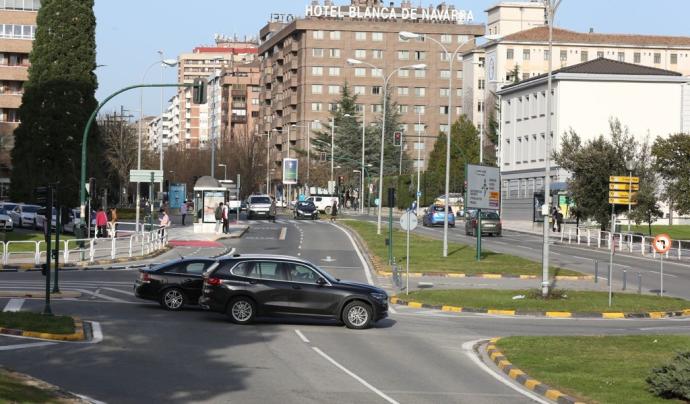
<point x="290" y="168"/>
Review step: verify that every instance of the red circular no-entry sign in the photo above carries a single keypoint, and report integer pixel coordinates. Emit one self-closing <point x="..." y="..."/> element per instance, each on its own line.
<point x="662" y="243"/>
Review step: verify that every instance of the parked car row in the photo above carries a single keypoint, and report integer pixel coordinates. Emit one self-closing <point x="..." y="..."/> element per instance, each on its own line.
<point x="248" y="286"/>
<point x="31" y="216"/>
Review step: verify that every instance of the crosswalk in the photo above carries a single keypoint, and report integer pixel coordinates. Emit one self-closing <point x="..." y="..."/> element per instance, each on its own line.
<point x="287" y="221"/>
<point x="103" y="291"/>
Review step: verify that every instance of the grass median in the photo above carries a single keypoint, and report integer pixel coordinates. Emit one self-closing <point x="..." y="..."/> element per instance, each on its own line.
<point x="677" y="232"/>
<point x="16" y="388"/>
<point x="426" y="255"/>
<point x="600" y="369"/>
<point x="28" y="321"/>
<point x="572" y="301"/>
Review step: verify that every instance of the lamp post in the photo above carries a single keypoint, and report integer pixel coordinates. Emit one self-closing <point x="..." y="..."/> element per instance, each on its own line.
<point x="361" y="189"/>
<point x="383" y="124"/>
<point x="630" y="164"/>
<point x="166" y="62"/>
<point x="451" y="59"/>
<point x="225" y="171"/>
<point x="268" y="152"/>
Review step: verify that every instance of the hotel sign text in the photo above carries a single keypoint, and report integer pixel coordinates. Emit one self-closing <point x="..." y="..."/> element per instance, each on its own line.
<point x="391" y="13"/>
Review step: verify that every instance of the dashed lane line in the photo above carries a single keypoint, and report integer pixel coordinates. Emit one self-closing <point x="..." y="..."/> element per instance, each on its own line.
<point x="13" y="305"/>
<point x="283" y="233"/>
<point x="22" y="346"/>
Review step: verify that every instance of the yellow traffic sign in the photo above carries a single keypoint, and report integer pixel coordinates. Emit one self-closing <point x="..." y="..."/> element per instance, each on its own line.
<point x="624" y="179"/>
<point x="619" y="194"/>
<point x="623" y="187"/>
<point x="622" y="201"/>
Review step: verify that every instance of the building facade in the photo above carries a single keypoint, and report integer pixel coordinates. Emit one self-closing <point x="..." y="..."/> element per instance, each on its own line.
<point x="17" y="32"/>
<point x="304" y="67"/>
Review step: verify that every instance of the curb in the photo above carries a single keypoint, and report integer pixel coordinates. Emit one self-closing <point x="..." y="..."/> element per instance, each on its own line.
<point x="523" y="378"/>
<point x="78" y="334"/>
<point x="488" y="276"/>
<point x="551" y="314"/>
<point x="234" y="235"/>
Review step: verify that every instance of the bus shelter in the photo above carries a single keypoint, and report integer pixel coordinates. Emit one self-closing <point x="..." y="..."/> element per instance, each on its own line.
<point x="208" y="194"/>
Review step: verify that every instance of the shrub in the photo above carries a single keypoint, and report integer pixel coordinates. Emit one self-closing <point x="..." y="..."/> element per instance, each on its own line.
<point x="672" y="380"/>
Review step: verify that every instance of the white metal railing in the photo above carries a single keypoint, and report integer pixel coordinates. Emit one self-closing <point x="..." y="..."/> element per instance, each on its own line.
<point x="632" y="243"/>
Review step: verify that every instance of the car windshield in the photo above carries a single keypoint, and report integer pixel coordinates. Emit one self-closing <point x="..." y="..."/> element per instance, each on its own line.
<point x="439" y="208"/>
<point x="307" y="204"/>
<point x="490" y="215"/>
<point x="8" y="207"/>
<point x="3" y="211"/>
<point x="30" y="209"/>
<point x="261" y="199"/>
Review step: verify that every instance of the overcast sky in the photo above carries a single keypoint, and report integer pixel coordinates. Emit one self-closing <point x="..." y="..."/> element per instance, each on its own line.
<point x="130" y="32"/>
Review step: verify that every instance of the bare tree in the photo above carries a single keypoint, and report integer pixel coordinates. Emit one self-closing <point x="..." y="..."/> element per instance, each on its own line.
<point x="120" y="142"/>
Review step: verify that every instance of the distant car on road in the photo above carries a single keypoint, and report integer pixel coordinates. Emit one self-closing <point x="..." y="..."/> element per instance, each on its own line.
<point x="435" y="214"/>
<point x="173" y="284"/>
<point x="491" y="223"/>
<point x="305" y="209"/>
<point x="260" y="205"/>
<point x="247" y="286"/>
<point x="323" y="203"/>
<point x="6" y="222"/>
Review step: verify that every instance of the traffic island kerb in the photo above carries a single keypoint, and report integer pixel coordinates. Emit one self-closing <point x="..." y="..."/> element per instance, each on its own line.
<point x="77" y="335"/>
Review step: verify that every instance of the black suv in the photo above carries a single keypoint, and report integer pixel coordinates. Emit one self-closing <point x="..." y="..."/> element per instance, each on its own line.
<point x="246" y="286"/>
<point x="174" y="283"/>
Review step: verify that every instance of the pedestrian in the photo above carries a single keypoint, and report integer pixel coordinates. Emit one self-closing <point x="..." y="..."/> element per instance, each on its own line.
<point x="164" y="221"/>
<point x="272" y="212"/>
<point x="553" y="218"/>
<point x="183" y="211"/>
<point x="226" y="228"/>
<point x="334" y="210"/>
<point x="559" y="220"/>
<point x="101" y="222"/>
<point x="219" y="216"/>
<point x="112" y="223"/>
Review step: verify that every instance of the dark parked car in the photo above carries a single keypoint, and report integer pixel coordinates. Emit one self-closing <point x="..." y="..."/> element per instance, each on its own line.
<point x="174" y="283"/>
<point x="246" y="286"/>
<point x="306" y="209"/>
<point x="491" y="223"/>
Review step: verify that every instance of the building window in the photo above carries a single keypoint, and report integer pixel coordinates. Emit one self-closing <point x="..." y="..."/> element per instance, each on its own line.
<point x="316" y="89"/>
<point x="443" y="128"/>
<point x="600" y="54"/>
<point x="674" y="58"/>
<point x="376" y="108"/>
<point x="377" y="54"/>
<point x="360" y="36"/>
<point x="509" y="53"/>
<point x="333" y="90"/>
<point x="419" y="109"/>
<point x="445" y="74"/>
<point x="317" y="34"/>
<point x="360" y="90"/>
<point x="419" y="55"/>
<point x="316" y="106"/>
<point x="443" y="56"/>
<point x="546" y="54"/>
<point x="420" y="91"/>
<point x="564" y="55"/>
<point x="445" y="38"/>
<point x="360" y="53"/>
<point x="403" y="55"/>
<point x="26" y="5"/>
<point x="334" y="71"/>
<point x="458" y="74"/>
<point x="360" y="72"/>
<point x="481" y="84"/>
<point x="375" y="72"/>
<point x="657" y="58"/>
<point x="463" y="38"/>
<point x="403" y="73"/>
<point x="403" y="91"/>
<point x="443" y="92"/>
<point x="420" y="73"/>
<point x="334" y="53"/>
<point x="317" y="52"/>
<point x="480" y="106"/>
<point x="584" y="56"/>
<point x="377" y="36"/>
<point x="359" y="108"/>
<point x="335" y="35"/>
<point x="525" y="54"/>
<point x="402" y="109"/>
<point x="621" y="56"/>
<point x="443" y="109"/>
<point x="376" y="90"/>
<point x="637" y="57"/>
<point x="333" y="106"/>
<point x="317" y="71"/>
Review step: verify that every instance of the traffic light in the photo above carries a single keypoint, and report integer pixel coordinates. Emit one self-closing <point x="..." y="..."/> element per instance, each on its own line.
<point x="397" y="139"/>
<point x="199" y="91"/>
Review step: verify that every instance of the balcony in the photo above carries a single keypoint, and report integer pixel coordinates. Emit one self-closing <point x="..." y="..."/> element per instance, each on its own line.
<point x="294" y="46"/>
<point x="268" y="95"/>
<point x="293" y="99"/>
<point x="294" y="64"/>
<point x="10" y="100"/>
<point x="14" y="73"/>
<point x="293" y="81"/>
<point x="239" y="118"/>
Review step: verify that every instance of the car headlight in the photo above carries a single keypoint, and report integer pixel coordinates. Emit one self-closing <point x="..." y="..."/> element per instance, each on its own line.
<point x="300" y="212"/>
<point x="382" y="297"/>
<point x="9" y="220"/>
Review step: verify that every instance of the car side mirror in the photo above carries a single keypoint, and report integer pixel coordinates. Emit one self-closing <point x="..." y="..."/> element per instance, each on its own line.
<point x="321" y="281"/>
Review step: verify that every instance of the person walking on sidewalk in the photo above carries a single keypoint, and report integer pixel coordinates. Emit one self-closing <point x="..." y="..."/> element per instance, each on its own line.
<point x="183" y="211"/>
<point x="101" y="222"/>
<point x="164" y="222"/>
<point x="226" y="228"/>
<point x="219" y="216"/>
<point x="112" y="222"/>
<point x="334" y="210"/>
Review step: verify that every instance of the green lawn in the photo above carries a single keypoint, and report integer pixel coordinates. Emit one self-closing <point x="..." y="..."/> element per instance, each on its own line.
<point x="30" y="236"/>
<point x="14" y="389"/>
<point x="576" y="301"/>
<point x="426" y="255"/>
<point x="27" y="321"/>
<point x="601" y="369"/>
<point x="677" y="232"/>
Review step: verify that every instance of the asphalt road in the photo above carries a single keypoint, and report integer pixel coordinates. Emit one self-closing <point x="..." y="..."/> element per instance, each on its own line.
<point x="150" y="355"/>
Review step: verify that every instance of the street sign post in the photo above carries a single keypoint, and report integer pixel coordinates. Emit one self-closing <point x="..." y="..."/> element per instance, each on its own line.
<point x="624" y="179"/>
<point x="615" y="186"/>
<point x="661" y="244"/>
<point x="483" y="192"/>
<point x="408" y="221"/>
<point x="621" y="192"/>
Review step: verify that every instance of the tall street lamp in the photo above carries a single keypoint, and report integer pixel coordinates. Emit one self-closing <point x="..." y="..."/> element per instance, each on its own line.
<point x="418" y="66"/>
<point x="361" y="189"/>
<point x="225" y="171"/>
<point x="451" y="58"/>
<point x="163" y="63"/>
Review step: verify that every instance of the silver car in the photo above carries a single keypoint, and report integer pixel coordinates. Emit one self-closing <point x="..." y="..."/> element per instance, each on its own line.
<point x="23" y="215"/>
<point x="261" y="205"/>
<point x="6" y="222"/>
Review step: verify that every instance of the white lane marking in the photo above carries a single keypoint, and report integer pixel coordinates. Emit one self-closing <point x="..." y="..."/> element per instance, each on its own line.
<point x="96" y="294"/>
<point x="392" y="310"/>
<point x="89" y="399"/>
<point x="354" y="376"/>
<point x="301" y="336"/>
<point x="124" y="292"/>
<point x="367" y="271"/>
<point x="14" y="305"/>
<point x="283" y="232"/>
<point x="22" y="346"/>
<point x="469" y="351"/>
<point x="97" y="332"/>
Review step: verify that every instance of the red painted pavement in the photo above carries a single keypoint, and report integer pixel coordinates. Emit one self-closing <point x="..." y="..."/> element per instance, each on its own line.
<point x="195" y="243"/>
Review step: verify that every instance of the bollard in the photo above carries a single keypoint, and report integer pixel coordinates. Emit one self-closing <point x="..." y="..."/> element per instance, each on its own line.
<point x="625" y="278"/>
<point x="639" y="283"/>
<point x="596" y="271"/>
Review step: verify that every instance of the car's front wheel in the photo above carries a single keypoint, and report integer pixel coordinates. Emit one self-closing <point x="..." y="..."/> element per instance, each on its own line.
<point x="241" y="310"/>
<point x="357" y="315"/>
<point x="173" y="299"/>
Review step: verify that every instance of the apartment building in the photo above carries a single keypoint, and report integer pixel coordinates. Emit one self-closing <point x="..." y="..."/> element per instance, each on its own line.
<point x="202" y="62"/>
<point x="304" y="66"/>
<point x="17" y="32"/>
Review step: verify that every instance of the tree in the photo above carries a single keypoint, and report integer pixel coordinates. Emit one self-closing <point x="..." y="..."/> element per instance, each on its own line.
<point x="672" y="162"/>
<point x="647" y="209"/>
<point x="590" y="166"/>
<point x="58" y="99"/>
<point x="120" y="151"/>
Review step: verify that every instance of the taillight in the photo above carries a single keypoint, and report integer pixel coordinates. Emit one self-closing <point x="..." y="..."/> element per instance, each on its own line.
<point x="144" y="276"/>
<point x="212" y="281"/>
